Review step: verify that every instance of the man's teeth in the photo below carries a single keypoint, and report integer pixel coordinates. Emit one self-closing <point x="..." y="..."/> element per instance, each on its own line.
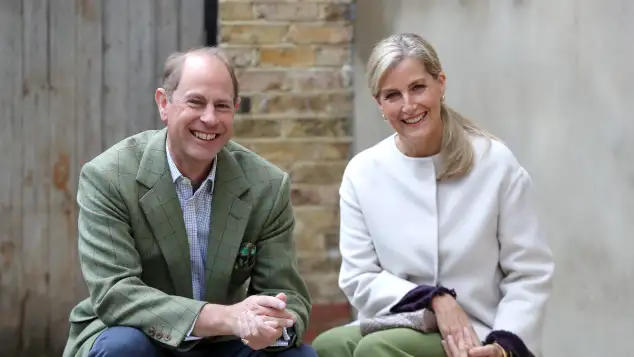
<point x="415" y="120"/>
<point x="204" y="136"/>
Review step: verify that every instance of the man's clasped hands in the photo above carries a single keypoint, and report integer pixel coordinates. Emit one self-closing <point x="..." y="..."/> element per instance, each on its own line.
<point x="258" y="320"/>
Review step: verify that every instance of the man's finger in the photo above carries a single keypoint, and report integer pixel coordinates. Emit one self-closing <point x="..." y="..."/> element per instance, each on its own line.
<point x="254" y="322"/>
<point x="280" y="314"/>
<point x="267" y="329"/>
<point x="271" y="302"/>
<point x="280" y="322"/>
<point x="272" y="322"/>
<point x="281" y="296"/>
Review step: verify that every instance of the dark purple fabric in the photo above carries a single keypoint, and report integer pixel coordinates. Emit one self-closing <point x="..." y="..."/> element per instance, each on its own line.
<point x="420" y="298"/>
<point x="510" y="342"/>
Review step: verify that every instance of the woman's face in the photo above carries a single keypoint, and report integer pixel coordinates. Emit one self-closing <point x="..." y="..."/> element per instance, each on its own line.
<point x="410" y="99"/>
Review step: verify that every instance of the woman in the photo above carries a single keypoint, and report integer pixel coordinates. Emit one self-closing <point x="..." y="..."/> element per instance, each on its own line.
<point x="438" y="216"/>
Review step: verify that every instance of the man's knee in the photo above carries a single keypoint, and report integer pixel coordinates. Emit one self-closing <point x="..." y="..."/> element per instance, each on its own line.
<point x="122" y="341"/>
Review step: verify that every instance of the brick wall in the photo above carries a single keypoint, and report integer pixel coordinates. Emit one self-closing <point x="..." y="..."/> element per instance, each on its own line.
<point x="293" y="60"/>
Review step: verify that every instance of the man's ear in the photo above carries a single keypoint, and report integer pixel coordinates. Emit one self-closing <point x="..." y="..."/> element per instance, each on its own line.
<point x="160" y="97"/>
<point x="237" y="104"/>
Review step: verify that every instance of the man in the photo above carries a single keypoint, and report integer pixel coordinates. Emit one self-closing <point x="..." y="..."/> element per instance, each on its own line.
<point x="185" y="237"/>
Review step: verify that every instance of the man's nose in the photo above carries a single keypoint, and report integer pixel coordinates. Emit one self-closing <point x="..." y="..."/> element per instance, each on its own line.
<point x="209" y="114"/>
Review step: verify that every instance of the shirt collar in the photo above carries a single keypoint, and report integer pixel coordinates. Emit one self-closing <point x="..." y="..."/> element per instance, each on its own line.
<point x="176" y="174"/>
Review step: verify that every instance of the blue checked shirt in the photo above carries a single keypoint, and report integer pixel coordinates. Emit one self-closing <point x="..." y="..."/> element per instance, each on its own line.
<point x="196" y="207"/>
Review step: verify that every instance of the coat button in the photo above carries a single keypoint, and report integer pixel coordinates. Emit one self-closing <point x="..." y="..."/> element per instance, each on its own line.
<point x="159" y="335"/>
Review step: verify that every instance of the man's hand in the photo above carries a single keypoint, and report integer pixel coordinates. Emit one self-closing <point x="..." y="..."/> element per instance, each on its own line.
<point x="259" y="331"/>
<point x="452" y="320"/>
<point x="255" y="313"/>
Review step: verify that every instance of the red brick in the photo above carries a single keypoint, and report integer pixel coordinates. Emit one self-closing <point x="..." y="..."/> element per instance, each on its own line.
<point x="326" y="316"/>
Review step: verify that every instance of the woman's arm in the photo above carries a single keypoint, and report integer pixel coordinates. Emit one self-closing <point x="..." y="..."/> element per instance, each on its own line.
<point x="369" y="288"/>
<point x="527" y="264"/>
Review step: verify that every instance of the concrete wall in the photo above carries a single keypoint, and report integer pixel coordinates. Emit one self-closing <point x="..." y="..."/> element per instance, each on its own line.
<point x="554" y="79"/>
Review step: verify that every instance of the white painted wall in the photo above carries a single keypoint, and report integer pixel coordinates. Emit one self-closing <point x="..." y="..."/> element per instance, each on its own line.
<point x="555" y="80"/>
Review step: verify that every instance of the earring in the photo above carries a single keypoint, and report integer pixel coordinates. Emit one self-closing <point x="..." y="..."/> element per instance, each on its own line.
<point x="383" y="115"/>
<point x="442" y="99"/>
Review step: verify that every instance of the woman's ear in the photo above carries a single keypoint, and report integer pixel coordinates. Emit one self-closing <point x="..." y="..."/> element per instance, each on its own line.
<point x="442" y="79"/>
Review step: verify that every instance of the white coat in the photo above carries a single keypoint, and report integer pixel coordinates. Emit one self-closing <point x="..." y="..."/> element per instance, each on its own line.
<point x="479" y="235"/>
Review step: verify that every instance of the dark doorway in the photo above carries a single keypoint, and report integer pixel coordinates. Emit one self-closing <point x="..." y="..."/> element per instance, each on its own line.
<point x="211" y="22"/>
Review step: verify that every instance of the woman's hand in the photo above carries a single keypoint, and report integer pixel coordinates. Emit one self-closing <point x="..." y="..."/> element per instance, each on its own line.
<point x="452" y="320"/>
<point x="487" y="351"/>
<point x="460" y="346"/>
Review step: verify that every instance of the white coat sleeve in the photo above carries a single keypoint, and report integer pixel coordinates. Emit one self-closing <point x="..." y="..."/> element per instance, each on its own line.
<point x="526" y="262"/>
<point x="369" y="288"/>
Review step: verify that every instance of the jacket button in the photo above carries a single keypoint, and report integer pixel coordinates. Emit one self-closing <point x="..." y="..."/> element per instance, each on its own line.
<point x="151" y="331"/>
<point x="168" y="337"/>
<point x="159" y="335"/>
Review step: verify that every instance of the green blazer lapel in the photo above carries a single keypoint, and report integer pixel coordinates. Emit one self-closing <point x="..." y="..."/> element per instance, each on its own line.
<point x="163" y="212"/>
<point x="229" y="218"/>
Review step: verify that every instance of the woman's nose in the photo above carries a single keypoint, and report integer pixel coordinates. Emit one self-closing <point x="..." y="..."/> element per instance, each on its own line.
<point x="409" y="107"/>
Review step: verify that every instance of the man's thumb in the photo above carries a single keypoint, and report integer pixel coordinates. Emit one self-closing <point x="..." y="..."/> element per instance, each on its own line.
<point x="281" y="296"/>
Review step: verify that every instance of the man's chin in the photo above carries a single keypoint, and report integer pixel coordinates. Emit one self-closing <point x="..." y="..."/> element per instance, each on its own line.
<point x="206" y="151"/>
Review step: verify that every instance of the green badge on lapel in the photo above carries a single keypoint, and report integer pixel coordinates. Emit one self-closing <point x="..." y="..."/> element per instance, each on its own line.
<point x="246" y="255"/>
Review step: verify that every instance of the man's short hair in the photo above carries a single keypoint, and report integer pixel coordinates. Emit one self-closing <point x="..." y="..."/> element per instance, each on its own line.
<point x="174" y="67"/>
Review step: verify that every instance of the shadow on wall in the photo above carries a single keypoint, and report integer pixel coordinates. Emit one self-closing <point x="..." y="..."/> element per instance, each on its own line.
<point x="374" y="21"/>
<point x="377" y="22"/>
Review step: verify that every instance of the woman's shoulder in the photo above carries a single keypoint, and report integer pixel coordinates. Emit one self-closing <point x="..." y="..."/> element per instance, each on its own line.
<point x="492" y="151"/>
<point x="369" y="159"/>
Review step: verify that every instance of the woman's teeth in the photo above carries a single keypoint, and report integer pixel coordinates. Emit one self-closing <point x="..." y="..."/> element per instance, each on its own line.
<point x="204" y="136"/>
<point x="416" y="119"/>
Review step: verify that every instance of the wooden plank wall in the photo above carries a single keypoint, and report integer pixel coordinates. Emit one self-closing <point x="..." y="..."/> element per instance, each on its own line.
<point x="77" y="76"/>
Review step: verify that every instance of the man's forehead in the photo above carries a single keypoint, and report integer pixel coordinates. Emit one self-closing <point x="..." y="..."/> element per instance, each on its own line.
<point x="205" y="70"/>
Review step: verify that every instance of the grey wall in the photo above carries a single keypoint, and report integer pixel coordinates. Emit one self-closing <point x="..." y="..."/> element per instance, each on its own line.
<point x="555" y="80"/>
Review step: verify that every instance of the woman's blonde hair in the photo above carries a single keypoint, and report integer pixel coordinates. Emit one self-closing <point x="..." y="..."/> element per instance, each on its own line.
<point x="456" y="148"/>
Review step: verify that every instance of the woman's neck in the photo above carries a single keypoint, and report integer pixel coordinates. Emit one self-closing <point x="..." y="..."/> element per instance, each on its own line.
<point x="420" y="148"/>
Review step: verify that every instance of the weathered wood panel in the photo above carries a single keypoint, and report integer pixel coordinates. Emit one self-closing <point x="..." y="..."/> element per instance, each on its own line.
<point x="36" y="179"/>
<point x="11" y="155"/>
<point x="77" y="76"/>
